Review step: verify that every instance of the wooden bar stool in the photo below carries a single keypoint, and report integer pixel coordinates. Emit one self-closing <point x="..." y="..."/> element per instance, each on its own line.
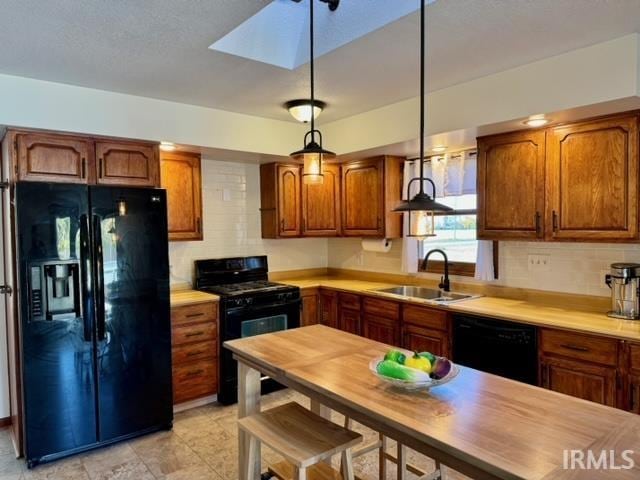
<point x="303" y="438"/>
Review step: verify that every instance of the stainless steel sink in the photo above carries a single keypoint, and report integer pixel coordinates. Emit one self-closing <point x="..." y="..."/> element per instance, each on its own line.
<point x="428" y="294"/>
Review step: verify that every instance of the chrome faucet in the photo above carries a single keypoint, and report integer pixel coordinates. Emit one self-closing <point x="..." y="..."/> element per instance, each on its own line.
<point x="444" y="281"/>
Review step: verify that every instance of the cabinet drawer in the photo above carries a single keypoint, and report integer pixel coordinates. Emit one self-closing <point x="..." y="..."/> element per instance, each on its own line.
<point x="195" y="351"/>
<point x="425" y="317"/>
<point x="198" y="332"/>
<point x="199" y="312"/>
<point x="349" y="300"/>
<point x="194" y="380"/>
<point x="382" y="308"/>
<point x="583" y="347"/>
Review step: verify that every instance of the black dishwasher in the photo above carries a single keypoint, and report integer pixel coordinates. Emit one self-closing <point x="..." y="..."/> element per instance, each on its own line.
<point x="502" y="348"/>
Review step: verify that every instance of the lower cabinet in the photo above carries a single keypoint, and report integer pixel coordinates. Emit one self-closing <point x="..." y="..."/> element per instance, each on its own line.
<point x="634" y="393"/>
<point x="194" y="332"/>
<point x="596" y="383"/>
<point x="381" y="329"/>
<point x="328" y="306"/>
<point x="349" y="320"/>
<point x="310" y="304"/>
<point x="420" y="339"/>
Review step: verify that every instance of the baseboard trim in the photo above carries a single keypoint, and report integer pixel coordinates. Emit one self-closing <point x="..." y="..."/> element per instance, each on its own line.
<point x="199" y="402"/>
<point x="5" y="422"/>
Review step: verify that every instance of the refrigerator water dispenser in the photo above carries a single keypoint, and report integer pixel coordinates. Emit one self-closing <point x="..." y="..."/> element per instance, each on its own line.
<point x="55" y="291"/>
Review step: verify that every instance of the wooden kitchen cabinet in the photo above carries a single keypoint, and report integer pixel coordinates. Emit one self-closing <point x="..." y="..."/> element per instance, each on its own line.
<point x="381" y="329"/>
<point x="328" y="305"/>
<point x="511" y="191"/>
<point x="592" y="172"/>
<point x="127" y="164"/>
<point x="321" y="205"/>
<point x="588" y="381"/>
<point x="45" y="157"/>
<point x="280" y="200"/>
<point x="371" y="189"/>
<point x="194" y="338"/>
<point x="180" y="175"/>
<point x="349" y="320"/>
<point x="420" y="339"/>
<point x="310" y="306"/>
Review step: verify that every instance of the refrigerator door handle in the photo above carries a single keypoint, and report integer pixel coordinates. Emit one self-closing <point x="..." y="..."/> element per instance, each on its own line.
<point x="85" y="275"/>
<point x="99" y="277"/>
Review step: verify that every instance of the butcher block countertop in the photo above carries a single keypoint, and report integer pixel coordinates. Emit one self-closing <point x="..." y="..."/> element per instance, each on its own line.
<point x="185" y="296"/>
<point x="588" y="317"/>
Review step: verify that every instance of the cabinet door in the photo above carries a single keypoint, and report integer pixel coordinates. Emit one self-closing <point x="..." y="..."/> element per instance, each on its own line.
<point x="419" y="339"/>
<point x="579" y="379"/>
<point x="634" y="393"/>
<point x="328" y="304"/>
<point x="349" y="320"/>
<point x="310" y="302"/>
<point x="363" y="198"/>
<point x="592" y="171"/>
<point x="321" y="205"/>
<point x="288" y="201"/>
<point x="511" y="186"/>
<point x="180" y="175"/>
<point x="381" y="329"/>
<point x="54" y="158"/>
<point x="128" y="164"/>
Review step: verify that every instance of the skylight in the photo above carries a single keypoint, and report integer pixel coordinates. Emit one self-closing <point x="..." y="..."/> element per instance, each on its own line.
<point x="279" y="33"/>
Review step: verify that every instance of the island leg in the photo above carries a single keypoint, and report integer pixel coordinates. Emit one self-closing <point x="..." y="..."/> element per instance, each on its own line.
<point x="248" y="404"/>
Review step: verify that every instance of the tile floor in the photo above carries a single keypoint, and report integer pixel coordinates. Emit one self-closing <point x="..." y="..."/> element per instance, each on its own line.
<point x="202" y="445"/>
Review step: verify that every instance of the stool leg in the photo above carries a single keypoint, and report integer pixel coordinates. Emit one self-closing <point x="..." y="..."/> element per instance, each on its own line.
<point x="382" y="458"/>
<point x="402" y="462"/>
<point x="347" y="465"/>
<point x="250" y="466"/>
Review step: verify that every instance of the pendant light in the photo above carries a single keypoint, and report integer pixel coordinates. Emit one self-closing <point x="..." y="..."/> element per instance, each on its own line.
<point x="313" y="153"/>
<point x="422" y="207"/>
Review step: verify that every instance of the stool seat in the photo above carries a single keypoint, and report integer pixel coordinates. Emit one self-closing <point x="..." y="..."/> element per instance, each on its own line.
<point x="299" y="435"/>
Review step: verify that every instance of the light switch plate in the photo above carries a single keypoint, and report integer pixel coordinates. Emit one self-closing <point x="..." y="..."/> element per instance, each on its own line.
<point x="226" y="195"/>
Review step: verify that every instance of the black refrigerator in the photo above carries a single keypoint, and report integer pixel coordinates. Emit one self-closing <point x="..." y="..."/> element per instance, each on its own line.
<point x="94" y="316"/>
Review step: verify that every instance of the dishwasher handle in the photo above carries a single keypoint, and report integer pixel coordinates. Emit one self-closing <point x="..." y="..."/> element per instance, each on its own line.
<point x="496" y="330"/>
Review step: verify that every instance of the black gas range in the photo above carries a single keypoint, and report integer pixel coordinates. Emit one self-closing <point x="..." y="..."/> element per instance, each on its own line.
<point x="249" y="305"/>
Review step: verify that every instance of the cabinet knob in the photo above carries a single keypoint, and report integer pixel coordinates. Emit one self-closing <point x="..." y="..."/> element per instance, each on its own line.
<point x="555" y="221"/>
<point x="100" y="166"/>
<point x="84" y="167"/>
<point x="537" y="220"/>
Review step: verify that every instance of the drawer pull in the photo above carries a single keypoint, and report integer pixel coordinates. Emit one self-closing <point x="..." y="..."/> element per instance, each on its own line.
<point x="197" y="352"/>
<point x="194" y="315"/>
<point x="575" y="348"/>
<point x="195" y="373"/>
<point x="194" y="334"/>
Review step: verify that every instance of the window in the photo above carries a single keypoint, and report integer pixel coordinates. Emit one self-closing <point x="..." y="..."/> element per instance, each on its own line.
<point x="456" y="235"/>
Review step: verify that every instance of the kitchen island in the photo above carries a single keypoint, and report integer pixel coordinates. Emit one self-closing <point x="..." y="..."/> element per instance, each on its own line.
<point x="482" y="425"/>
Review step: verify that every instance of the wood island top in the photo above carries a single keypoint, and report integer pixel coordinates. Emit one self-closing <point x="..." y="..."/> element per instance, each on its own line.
<point x="480" y="424"/>
<point x="589" y="317"/>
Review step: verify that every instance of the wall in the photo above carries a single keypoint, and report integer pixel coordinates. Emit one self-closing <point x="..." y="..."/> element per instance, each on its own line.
<point x="231" y="225"/>
<point x="573" y="268"/>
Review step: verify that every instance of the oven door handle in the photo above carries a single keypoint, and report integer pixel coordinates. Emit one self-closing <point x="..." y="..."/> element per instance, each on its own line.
<point x="253" y="309"/>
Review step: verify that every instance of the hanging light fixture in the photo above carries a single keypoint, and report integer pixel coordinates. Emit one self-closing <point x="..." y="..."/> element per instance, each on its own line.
<point x="313" y="153"/>
<point x="422" y="207"/>
<point x="301" y="109"/>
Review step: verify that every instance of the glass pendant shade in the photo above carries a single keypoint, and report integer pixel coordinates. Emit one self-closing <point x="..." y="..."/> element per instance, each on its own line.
<point x="312" y="157"/>
<point x="422" y="224"/>
<point x="301" y="109"/>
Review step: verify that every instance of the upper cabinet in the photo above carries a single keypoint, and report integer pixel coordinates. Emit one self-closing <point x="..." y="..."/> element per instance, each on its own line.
<point x="180" y="175"/>
<point x="355" y="199"/>
<point x="371" y="189"/>
<point x="574" y="182"/>
<point x="123" y="163"/>
<point x="53" y="158"/>
<point x="511" y="185"/>
<point x="57" y="157"/>
<point x="280" y="200"/>
<point x="592" y="171"/>
<point x="321" y="205"/>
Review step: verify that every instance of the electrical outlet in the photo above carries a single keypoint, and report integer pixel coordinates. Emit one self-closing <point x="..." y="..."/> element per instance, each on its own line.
<point x="226" y="195"/>
<point x="539" y="263"/>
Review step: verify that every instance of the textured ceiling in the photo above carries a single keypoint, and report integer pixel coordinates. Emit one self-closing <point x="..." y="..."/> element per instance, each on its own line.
<point x="159" y="49"/>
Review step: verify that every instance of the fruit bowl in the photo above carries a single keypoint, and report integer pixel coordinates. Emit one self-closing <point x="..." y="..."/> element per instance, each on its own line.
<point x="425" y="384"/>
